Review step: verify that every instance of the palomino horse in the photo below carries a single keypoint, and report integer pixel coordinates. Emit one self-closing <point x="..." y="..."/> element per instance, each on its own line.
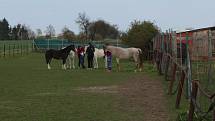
<point x="61" y="54"/>
<point x="99" y="53"/>
<point x="126" y="53"/>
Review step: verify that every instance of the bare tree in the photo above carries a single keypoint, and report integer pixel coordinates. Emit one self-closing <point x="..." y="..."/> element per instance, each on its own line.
<point x="39" y="32"/>
<point x="50" y="31"/>
<point x="30" y="32"/>
<point x="84" y="23"/>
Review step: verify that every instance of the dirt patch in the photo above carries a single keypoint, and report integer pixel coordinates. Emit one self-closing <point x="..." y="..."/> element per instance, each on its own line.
<point x="98" y="89"/>
<point x="147" y="95"/>
<point x="140" y="94"/>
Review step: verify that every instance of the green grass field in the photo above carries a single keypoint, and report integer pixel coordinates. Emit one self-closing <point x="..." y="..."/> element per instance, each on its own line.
<point x="31" y="92"/>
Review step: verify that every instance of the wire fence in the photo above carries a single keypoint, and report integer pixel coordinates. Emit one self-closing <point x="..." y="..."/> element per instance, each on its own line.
<point x="45" y="44"/>
<point x="187" y="61"/>
<point x="15" y="48"/>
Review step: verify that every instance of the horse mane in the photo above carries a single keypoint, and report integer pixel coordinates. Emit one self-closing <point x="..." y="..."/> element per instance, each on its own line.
<point x="68" y="48"/>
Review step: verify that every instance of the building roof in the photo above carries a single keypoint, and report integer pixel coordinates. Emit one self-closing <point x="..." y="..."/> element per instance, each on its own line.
<point x="195" y="30"/>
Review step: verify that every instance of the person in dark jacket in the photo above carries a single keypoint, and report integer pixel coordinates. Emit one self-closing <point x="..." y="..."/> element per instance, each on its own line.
<point x="90" y="55"/>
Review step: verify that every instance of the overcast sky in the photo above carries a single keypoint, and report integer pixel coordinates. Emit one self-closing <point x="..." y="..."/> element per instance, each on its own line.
<point x="176" y="14"/>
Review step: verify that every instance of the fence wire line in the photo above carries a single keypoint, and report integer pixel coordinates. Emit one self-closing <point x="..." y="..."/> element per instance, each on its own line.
<point x="198" y="62"/>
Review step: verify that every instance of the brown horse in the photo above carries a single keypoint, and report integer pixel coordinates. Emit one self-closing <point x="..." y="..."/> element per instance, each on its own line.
<point x="126" y="53"/>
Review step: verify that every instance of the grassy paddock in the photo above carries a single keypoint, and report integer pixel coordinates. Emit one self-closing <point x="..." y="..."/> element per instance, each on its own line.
<point x="29" y="91"/>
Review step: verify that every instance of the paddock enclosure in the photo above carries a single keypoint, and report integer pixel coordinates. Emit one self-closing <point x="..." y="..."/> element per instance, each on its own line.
<point x="44" y="44"/>
<point x="11" y="48"/>
<point x="29" y="91"/>
<point x="187" y="61"/>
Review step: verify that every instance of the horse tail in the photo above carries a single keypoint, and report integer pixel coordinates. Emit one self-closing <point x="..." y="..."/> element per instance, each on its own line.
<point x="140" y="58"/>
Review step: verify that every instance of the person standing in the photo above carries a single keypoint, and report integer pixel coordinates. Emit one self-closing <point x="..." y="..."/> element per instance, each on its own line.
<point x="108" y="60"/>
<point x="81" y="56"/>
<point x="90" y="55"/>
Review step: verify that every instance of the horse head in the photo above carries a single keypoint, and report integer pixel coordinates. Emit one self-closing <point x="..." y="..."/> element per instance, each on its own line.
<point x="71" y="47"/>
<point x="105" y="47"/>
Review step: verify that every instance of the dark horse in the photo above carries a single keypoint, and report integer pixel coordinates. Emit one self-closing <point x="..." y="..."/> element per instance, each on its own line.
<point x="61" y="54"/>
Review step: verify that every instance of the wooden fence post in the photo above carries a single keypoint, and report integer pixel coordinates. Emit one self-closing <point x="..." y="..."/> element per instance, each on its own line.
<point x="4" y="50"/>
<point x="181" y="84"/>
<point x="173" y="79"/>
<point x="21" y="48"/>
<point x="27" y="49"/>
<point x="160" y="62"/>
<point x="17" y="49"/>
<point x="214" y="113"/>
<point x="13" y="49"/>
<point x="0" y="50"/>
<point x="167" y="68"/>
<point x="193" y="97"/>
<point x="9" y="49"/>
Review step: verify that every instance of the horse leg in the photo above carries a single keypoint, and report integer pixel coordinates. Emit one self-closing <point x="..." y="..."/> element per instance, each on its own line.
<point x="48" y="63"/>
<point x="106" y="66"/>
<point x="95" y="62"/>
<point x="136" y="62"/>
<point x="118" y="66"/>
<point x="73" y="62"/>
<point x="70" y="65"/>
<point x="140" y="67"/>
<point x="64" y="62"/>
<point x="49" y="67"/>
<point x="48" y="60"/>
<point x="140" y="59"/>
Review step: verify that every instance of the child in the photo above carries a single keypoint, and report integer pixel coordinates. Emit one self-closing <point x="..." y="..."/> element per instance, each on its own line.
<point x="108" y="56"/>
<point x="81" y="56"/>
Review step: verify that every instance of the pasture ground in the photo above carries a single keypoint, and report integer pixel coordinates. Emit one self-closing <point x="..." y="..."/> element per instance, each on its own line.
<point x="29" y="91"/>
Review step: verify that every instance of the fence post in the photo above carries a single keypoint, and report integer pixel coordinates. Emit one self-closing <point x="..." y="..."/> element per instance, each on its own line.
<point x="27" y="49"/>
<point x="21" y="48"/>
<point x="32" y="46"/>
<point x="214" y="111"/>
<point x="13" y="48"/>
<point x="167" y="67"/>
<point x="48" y="45"/>
<point x="0" y="50"/>
<point x="193" y="97"/>
<point x="172" y="80"/>
<point x="9" y="49"/>
<point x="17" y="49"/>
<point x="4" y="50"/>
<point x="181" y="84"/>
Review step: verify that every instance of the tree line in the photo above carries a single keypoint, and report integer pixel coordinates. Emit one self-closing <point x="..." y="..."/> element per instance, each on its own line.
<point x="89" y="30"/>
<point x="17" y="32"/>
<point x="139" y="33"/>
